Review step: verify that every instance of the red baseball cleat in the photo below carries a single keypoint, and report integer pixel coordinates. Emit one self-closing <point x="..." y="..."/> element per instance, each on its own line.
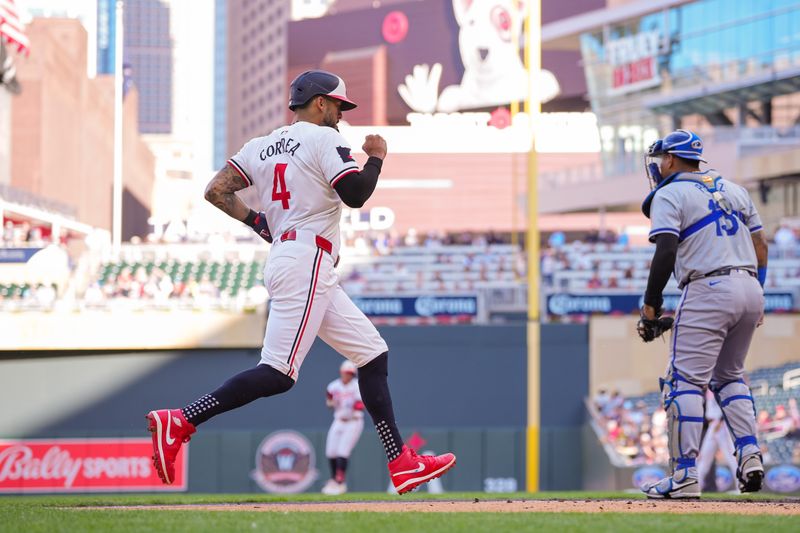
<point x="409" y="470"/>
<point x="170" y="430"/>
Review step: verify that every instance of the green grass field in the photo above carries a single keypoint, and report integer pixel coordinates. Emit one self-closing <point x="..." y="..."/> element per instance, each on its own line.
<point x="64" y="513"/>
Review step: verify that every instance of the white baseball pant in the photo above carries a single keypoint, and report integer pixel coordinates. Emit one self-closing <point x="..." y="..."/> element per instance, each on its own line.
<point x="717" y="438"/>
<point x="343" y="437"/>
<point x="306" y="302"/>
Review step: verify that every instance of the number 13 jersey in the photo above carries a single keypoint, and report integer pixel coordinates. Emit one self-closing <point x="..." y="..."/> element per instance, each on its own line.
<point x="709" y="236"/>
<point x="294" y="170"/>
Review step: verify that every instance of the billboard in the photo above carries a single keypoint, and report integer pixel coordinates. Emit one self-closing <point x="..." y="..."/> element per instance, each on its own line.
<point x="562" y="304"/>
<point x="418" y="306"/>
<point x="428" y="56"/>
<point x="84" y="465"/>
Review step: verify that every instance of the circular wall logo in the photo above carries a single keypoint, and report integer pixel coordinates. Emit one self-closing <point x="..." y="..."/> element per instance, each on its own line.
<point x="647" y="475"/>
<point x="285" y="463"/>
<point x="724" y="479"/>
<point x="784" y="478"/>
<point x="395" y="27"/>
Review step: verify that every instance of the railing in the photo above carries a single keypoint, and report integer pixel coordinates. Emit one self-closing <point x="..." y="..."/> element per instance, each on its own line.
<point x="19" y="196"/>
<point x="595" y="421"/>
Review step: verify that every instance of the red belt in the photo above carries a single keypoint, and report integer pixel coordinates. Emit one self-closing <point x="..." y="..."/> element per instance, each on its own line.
<point x="322" y="243"/>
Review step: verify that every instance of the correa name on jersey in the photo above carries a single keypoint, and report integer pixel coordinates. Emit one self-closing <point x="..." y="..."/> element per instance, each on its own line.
<point x="281" y="146"/>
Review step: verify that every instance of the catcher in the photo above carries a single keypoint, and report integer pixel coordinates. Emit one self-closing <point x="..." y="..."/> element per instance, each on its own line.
<point x="708" y="232"/>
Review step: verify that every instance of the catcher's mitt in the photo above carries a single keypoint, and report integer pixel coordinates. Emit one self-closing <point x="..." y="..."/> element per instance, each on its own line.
<point x="650" y="329"/>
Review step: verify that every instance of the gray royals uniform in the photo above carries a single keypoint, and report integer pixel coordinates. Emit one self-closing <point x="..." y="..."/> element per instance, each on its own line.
<point x="719" y="310"/>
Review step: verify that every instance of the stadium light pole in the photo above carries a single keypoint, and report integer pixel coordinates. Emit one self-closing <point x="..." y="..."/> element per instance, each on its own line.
<point x="116" y="203"/>
<point x="533" y="63"/>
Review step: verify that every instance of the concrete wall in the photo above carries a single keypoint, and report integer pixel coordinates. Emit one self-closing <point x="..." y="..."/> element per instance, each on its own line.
<point x="565" y="382"/>
<point x="620" y="360"/>
<point x="440" y="377"/>
<point x="127" y="329"/>
<point x="459" y="388"/>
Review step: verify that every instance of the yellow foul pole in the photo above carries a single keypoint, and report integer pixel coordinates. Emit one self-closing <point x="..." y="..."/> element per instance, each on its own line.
<point x="533" y="63"/>
<point x="515" y="39"/>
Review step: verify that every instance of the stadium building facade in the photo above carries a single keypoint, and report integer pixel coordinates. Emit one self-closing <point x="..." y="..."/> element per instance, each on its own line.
<point x="256" y="69"/>
<point x="148" y="50"/>
<point x="70" y="175"/>
<point x="727" y="69"/>
<point x="444" y="157"/>
<point x="220" y="83"/>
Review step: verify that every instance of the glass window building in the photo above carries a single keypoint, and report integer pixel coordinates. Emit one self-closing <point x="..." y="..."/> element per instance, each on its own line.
<point x="729" y="69"/>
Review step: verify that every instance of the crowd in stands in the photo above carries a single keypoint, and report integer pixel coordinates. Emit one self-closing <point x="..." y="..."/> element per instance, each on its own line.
<point x="635" y="427"/>
<point x="171" y="283"/>
<point x="23" y="235"/>
<point x="157" y="286"/>
<point x="383" y="243"/>
<point x="604" y="261"/>
<point x="380" y="263"/>
<point x="786" y="241"/>
<point x="430" y="263"/>
<point x="29" y="296"/>
<point x="635" y="430"/>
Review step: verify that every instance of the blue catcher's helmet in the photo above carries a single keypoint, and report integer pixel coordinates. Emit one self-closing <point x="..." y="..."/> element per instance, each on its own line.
<point x="681" y="143"/>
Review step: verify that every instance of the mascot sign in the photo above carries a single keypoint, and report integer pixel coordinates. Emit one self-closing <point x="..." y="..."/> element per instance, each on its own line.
<point x="489" y="35"/>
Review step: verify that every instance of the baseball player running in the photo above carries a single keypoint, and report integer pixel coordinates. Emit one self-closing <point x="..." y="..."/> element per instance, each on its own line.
<point x="707" y="230"/>
<point x="302" y="173"/>
<point x="343" y="396"/>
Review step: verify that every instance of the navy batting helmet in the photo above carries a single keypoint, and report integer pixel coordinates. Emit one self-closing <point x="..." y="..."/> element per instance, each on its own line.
<point x="313" y="83"/>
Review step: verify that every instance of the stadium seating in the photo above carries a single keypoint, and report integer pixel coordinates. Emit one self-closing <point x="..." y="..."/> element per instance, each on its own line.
<point x="13" y="291"/>
<point x="432" y="269"/>
<point x="575" y="264"/>
<point x="229" y="277"/>
<point x="769" y="395"/>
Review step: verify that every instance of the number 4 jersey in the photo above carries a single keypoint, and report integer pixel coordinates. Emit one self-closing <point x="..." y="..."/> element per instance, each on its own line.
<point x="295" y="169"/>
<point x="713" y="229"/>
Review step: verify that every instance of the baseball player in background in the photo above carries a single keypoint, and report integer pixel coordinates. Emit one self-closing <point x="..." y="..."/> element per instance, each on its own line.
<point x="717" y="438"/>
<point x="343" y="396"/>
<point x="707" y="230"/>
<point x="302" y="173"/>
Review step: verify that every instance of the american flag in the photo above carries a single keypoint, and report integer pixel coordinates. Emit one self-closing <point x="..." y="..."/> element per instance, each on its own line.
<point x="11" y="27"/>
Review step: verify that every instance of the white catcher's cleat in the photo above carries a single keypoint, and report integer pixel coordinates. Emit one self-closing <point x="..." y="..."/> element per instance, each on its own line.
<point x="750" y="473"/>
<point x="675" y="486"/>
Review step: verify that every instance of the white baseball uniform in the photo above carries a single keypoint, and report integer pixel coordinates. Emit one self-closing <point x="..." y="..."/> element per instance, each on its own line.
<point x="294" y="170"/>
<point x="348" y="418"/>
<point x="717" y="438"/>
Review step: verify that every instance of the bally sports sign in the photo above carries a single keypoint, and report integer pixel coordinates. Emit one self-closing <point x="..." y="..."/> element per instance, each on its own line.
<point x="84" y="465"/>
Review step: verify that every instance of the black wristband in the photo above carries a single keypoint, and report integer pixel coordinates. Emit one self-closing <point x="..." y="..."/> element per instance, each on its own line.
<point x="377" y="161"/>
<point x="653" y="301"/>
<point x="250" y="219"/>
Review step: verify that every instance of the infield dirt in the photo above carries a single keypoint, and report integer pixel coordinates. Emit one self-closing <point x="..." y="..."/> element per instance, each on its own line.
<point x="503" y="506"/>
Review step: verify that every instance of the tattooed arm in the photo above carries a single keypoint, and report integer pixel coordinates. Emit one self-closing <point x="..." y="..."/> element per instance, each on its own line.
<point x="221" y="192"/>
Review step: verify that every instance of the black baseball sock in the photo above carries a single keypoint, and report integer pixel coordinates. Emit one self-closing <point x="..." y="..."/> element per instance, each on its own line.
<point x="341" y="469"/>
<point x="332" y="461"/>
<point x="374" y="387"/>
<point x="241" y="389"/>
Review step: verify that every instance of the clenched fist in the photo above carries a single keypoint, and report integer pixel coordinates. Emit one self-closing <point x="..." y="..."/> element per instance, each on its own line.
<point x="375" y="146"/>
